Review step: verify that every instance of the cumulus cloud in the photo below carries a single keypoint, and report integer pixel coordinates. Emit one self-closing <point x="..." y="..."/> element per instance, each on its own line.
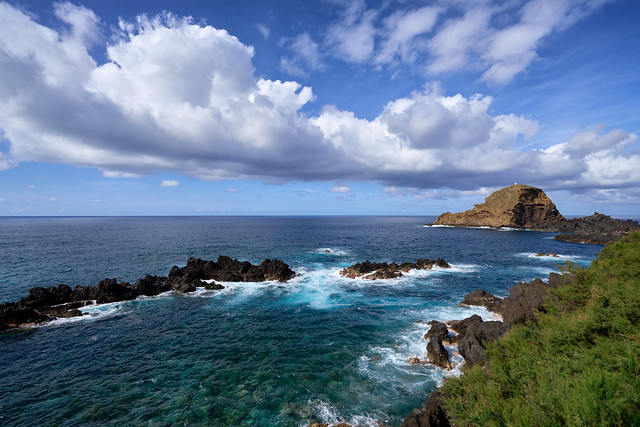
<point x="170" y="183"/>
<point x="180" y="97"/>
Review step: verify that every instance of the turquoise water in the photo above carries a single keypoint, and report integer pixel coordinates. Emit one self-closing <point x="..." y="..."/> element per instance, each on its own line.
<point x="320" y="348"/>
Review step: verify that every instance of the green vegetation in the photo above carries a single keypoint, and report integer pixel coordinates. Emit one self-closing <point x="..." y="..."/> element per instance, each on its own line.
<point x="580" y="365"/>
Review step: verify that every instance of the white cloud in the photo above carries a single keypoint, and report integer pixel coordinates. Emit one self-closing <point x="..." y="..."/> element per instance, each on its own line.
<point x="341" y="189"/>
<point x="31" y="186"/>
<point x="53" y="199"/>
<point x="402" y="30"/>
<point x="3" y="199"/>
<point x="233" y="190"/>
<point x="170" y="183"/>
<point x="352" y="38"/>
<point x="96" y="201"/>
<point x="496" y="39"/>
<point x="182" y="98"/>
<point x="264" y="30"/>
<point x="307" y="56"/>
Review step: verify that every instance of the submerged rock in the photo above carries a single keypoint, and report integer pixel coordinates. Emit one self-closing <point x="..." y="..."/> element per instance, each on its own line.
<point x="382" y="270"/>
<point x="516" y="206"/>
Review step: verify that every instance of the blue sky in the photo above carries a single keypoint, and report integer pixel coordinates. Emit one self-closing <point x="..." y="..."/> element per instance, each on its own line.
<point x="316" y="107"/>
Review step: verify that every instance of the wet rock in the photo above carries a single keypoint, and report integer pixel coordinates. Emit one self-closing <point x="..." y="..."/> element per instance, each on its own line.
<point x="432" y="413"/>
<point x="482" y="298"/>
<point x="109" y="290"/>
<point x="438" y="354"/>
<point x="14" y="315"/>
<point x="232" y="270"/>
<point x="551" y="254"/>
<point x="414" y="360"/>
<point x="437" y="330"/>
<point x="461" y="326"/>
<point x="213" y="286"/>
<point x="84" y="293"/>
<point x="64" y="311"/>
<point x="43" y="297"/>
<point x="382" y="270"/>
<point x="186" y="285"/>
<point x="152" y="285"/>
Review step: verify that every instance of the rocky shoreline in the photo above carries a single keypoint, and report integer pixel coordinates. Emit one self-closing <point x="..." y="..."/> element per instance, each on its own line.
<point x="55" y="302"/>
<point x="472" y="334"/>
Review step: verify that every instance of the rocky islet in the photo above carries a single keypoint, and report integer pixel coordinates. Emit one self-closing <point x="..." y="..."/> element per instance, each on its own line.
<point x="526" y="207"/>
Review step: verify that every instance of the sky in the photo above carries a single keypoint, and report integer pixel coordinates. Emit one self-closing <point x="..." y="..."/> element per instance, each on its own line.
<point x="326" y="107"/>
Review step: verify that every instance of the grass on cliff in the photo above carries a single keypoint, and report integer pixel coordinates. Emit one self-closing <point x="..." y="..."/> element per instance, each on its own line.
<point x="579" y="366"/>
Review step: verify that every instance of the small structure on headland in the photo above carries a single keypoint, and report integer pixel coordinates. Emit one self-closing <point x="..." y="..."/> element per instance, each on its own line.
<point x="526" y="207"/>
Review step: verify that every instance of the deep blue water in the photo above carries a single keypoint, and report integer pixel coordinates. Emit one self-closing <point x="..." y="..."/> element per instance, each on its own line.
<point x="319" y="348"/>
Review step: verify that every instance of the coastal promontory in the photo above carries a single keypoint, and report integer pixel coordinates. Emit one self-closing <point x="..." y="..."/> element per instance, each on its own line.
<point x="516" y="206"/>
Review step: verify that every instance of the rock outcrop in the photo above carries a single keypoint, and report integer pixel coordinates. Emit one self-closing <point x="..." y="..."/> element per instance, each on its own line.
<point x="232" y="270"/>
<point x="382" y="270"/>
<point x="596" y="229"/>
<point x="432" y="414"/>
<point x="525" y="300"/>
<point x="517" y="206"/>
<point x="45" y="304"/>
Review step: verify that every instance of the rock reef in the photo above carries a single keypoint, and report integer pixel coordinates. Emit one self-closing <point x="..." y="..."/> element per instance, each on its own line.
<point x="382" y="270"/>
<point x="46" y="304"/>
<point x="517" y="206"/>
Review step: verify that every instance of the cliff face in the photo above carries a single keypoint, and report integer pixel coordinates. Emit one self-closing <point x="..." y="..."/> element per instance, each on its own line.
<point x="517" y="206"/>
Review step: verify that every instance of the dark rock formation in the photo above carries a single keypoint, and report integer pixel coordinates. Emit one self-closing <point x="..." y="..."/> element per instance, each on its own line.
<point x="152" y="285"/>
<point x="596" y="229"/>
<point x="436" y="352"/>
<point x="43" y="297"/>
<point x="517" y="206"/>
<point x="432" y="414"/>
<point x="482" y="298"/>
<point x="13" y="315"/>
<point x="382" y="270"/>
<point x="45" y="304"/>
<point x="232" y="270"/>
<point x="211" y="286"/>
<point x="472" y="344"/>
<point x="438" y="330"/>
<point x="109" y="290"/>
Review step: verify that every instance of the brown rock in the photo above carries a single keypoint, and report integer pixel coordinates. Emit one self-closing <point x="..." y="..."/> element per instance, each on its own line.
<point x="517" y="206"/>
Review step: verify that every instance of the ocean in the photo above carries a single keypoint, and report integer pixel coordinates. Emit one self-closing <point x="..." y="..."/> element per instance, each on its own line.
<point x="320" y="348"/>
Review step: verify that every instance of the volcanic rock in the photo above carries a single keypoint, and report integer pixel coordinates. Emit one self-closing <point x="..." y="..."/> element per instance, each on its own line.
<point x="109" y="290"/>
<point x="517" y="206"/>
<point x="432" y="413"/>
<point x="43" y="297"/>
<point x="482" y="298"/>
<point x="438" y="354"/>
<point x="13" y="315"/>
<point x="232" y="270"/>
<point x="152" y="285"/>
<point x="438" y="330"/>
<point x="382" y="270"/>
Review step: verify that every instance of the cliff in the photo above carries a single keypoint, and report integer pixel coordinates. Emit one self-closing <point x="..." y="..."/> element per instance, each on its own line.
<point x="516" y="206"/>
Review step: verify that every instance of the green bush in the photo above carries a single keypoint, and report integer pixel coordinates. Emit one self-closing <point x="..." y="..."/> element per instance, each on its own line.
<point x="578" y="366"/>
